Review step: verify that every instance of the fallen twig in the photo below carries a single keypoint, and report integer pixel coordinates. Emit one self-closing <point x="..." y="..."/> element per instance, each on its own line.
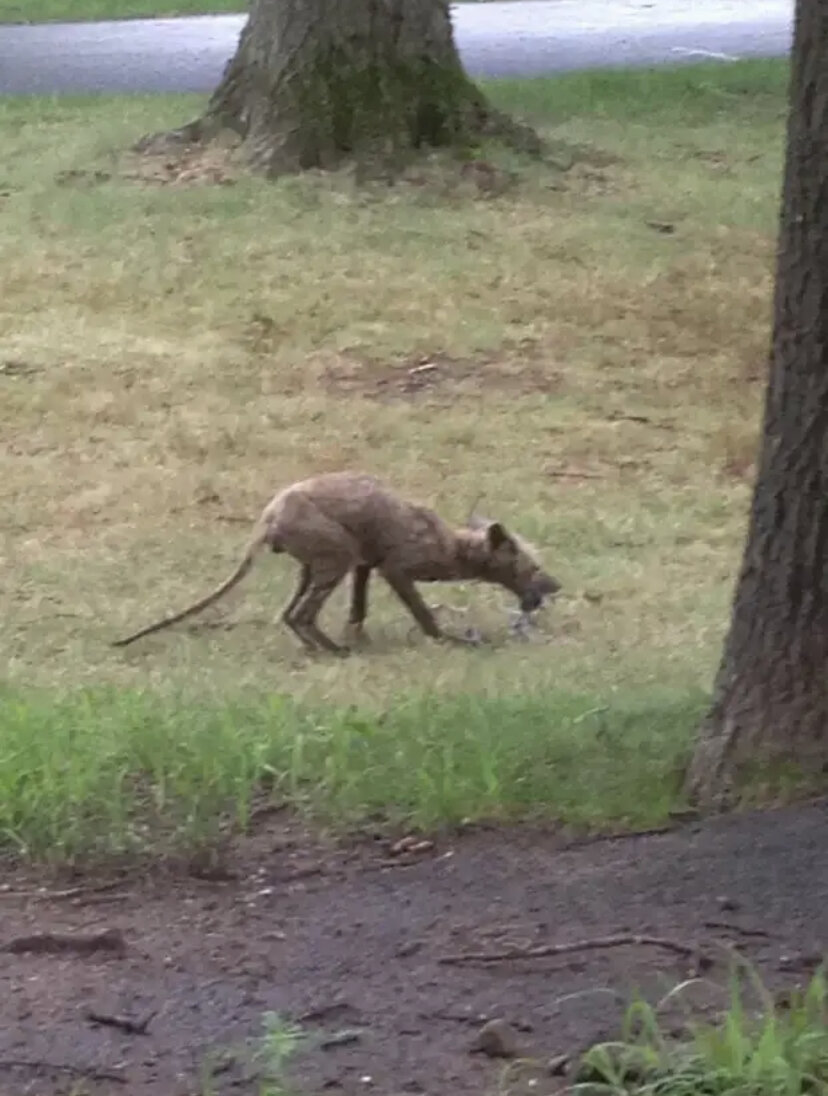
<point x="326" y="1011"/>
<point x="265" y="810"/>
<point x="100" y="899"/>
<point x="664" y="227"/>
<point x="606" y="838"/>
<point x="56" y="943"/>
<point x="301" y="873"/>
<point x="473" y="1018"/>
<point x="565" y="473"/>
<point x="687" y="951"/>
<point x="88" y="1072"/>
<point x="742" y="931"/>
<point x="78" y="892"/>
<point x="340" y="1039"/>
<point x="800" y="961"/>
<point x="123" y="1023"/>
<point x="617" y="416"/>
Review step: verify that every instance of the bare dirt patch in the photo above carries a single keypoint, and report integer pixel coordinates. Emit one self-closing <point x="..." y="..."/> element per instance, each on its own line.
<point x="347" y="940"/>
<point x="184" y="165"/>
<point x="439" y="377"/>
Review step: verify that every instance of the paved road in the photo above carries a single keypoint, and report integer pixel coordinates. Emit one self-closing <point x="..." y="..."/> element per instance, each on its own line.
<point x="503" y="38"/>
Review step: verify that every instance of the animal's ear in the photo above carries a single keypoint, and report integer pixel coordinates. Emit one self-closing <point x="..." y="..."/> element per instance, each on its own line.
<point x="497" y="536"/>
<point x="473" y="521"/>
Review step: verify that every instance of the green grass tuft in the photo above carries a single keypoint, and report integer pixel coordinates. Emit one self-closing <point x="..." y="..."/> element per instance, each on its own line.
<point x="112" y="770"/>
<point x="756" y="1048"/>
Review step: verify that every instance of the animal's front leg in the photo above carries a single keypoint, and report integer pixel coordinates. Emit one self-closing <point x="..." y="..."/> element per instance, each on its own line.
<point x="359" y="603"/>
<point x="408" y="594"/>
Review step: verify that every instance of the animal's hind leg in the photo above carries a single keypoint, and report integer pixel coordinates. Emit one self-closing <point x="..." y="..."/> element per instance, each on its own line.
<point x="359" y="602"/>
<point x="323" y="580"/>
<point x="298" y="594"/>
<point x="328" y="551"/>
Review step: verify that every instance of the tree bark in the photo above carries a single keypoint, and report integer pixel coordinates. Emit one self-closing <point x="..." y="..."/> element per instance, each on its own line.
<point x="316" y="82"/>
<point x="769" y="717"/>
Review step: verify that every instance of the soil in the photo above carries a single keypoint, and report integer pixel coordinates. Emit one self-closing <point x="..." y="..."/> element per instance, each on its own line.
<point x="345" y="939"/>
<point x="441" y="378"/>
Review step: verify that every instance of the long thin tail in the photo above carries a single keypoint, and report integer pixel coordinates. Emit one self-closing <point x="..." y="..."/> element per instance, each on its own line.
<point x="246" y="563"/>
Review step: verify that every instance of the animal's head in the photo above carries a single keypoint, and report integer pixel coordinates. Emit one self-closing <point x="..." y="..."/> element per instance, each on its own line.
<point x="498" y="556"/>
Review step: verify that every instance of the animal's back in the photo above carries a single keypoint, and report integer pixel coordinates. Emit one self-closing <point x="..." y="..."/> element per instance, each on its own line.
<point x="375" y="515"/>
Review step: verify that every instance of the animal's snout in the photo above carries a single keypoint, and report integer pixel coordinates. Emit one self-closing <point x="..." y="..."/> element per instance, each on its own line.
<point x="530" y="601"/>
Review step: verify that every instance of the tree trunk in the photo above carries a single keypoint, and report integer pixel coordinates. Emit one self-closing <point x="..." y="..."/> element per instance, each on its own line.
<point x="769" y="717"/>
<point x="316" y="82"/>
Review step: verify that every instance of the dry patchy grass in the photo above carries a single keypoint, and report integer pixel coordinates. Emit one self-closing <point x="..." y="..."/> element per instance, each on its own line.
<point x="74" y="11"/>
<point x="172" y="354"/>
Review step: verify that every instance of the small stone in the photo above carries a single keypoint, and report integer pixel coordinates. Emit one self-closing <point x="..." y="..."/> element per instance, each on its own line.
<point x="496" y="1039"/>
<point x="727" y="905"/>
<point x="422" y="846"/>
<point x="340" y="1038"/>
<point x="557" y="1066"/>
<point x="409" y="947"/>
<point x="410" y="844"/>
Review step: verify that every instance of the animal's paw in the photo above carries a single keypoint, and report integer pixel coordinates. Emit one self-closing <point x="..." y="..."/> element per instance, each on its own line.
<point x="469" y="637"/>
<point x="334" y="650"/>
<point x="355" y="636"/>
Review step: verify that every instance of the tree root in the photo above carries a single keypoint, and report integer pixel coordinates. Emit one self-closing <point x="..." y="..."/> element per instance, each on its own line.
<point x="686" y="951"/>
<point x="56" y="943"/>
<point x="122" y="1023"/>
<point x="88" y="1073"/>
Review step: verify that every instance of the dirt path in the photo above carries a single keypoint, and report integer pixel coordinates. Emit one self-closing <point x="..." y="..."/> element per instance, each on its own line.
<point x="347" y="941"/>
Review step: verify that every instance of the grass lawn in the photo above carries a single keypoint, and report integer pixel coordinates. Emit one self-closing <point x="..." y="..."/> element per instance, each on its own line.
<point x="173" y="354"/>
<point x="76" y="11"/>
